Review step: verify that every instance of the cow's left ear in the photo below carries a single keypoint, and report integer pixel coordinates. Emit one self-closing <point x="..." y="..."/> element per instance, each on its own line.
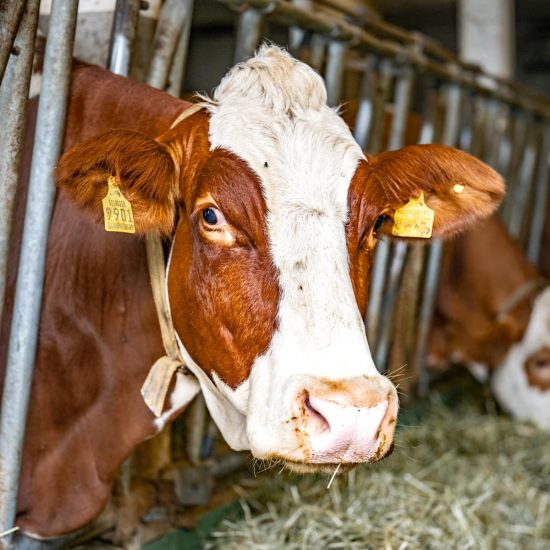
<point x="144" y="171"/>
<point x="459" y="188"/>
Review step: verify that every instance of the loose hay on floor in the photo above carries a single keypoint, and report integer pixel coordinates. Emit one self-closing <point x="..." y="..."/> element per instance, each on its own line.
<point x="459" y="479"/>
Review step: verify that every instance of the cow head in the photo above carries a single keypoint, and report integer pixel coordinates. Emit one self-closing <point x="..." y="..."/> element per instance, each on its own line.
<point x="274" y="212"/>
<point x="521" y="382"/>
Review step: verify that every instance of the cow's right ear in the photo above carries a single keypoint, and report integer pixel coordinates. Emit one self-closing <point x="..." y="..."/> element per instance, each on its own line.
<point x="144" y="169"/>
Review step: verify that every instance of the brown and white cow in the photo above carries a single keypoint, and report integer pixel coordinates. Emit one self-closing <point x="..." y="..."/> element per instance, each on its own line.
<point x="269" y="208"/>
<point x="492" y="314"/>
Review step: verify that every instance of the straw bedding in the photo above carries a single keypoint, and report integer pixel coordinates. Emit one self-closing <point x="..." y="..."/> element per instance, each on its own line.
<point x="459" y="478"/>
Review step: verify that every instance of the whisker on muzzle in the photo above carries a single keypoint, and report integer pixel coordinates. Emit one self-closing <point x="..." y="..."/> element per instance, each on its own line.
<point x="333" y="475"/>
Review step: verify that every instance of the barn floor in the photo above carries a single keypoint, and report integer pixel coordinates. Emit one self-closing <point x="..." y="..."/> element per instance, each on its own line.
<point x="461" y="476"/>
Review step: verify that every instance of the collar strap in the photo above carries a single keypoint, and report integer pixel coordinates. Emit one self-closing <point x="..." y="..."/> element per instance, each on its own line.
<point x="533" y="286"/>
<point x="156" y="385"/>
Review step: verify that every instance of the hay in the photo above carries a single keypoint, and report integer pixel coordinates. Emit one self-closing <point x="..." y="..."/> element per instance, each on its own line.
<point x="460" y="479"/>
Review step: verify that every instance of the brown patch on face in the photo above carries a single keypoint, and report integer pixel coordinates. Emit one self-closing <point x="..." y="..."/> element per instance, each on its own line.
<point x="361" y="238"/>
<point x="223" y="298"/>
<point x="537" y="369"/>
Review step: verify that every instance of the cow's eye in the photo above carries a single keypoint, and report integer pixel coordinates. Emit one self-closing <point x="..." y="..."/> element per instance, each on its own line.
<point x="213" y="217"/>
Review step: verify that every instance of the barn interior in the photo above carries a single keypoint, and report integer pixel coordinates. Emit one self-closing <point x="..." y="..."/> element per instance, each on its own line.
<point x="471" y="466"/>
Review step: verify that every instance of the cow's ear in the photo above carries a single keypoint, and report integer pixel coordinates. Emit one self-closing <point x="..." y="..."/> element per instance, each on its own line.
<point x="144" y="170"/>
<point x="459" y="188"/>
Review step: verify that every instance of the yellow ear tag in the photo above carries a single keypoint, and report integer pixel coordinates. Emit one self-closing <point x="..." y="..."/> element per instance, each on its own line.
<point x="414" y="219"/>
<point x="117" y="211"/>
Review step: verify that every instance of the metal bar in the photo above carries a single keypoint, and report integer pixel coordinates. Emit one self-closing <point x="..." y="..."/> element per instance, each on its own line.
<point x="177" y="71"/>
<point x="449" y="136"/>
<point x="169" y="27"/>
<point x="13" y="106"/>
<point x="384" y="82"/>
<point x="376" y="291"/>
<point x="125" y="23"/>
<point x="522" y="190"/>
<point x="521" y="121"/>
<point x="10" y="16"/>
<point x="382" y="253"/>
<point x="334" y="74"/>
<point x="403" y="93"/>
<point x="388" y="304"/>
<point x="426" y="312"/>
<point x="469" y="76"/>
<point x="363" y="118"/>
<point x="541" y="199"/>
<point x="28" y="297"/>
<point x="249" y="33"/>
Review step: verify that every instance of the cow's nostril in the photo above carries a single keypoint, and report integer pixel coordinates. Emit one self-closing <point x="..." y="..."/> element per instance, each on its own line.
<point x="316" y="416"/>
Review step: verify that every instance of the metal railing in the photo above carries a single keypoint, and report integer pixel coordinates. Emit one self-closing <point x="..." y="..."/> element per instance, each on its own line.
<point x="504" y="123"/>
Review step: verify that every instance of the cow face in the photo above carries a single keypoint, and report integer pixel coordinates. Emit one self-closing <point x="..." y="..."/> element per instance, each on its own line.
<point x="277" y="214"/>
<point x="521" y="383"/>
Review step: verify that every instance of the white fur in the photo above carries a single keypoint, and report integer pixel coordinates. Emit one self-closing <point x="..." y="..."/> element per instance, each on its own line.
<point x="510" y="383"/>
<point x="273" y="110"/>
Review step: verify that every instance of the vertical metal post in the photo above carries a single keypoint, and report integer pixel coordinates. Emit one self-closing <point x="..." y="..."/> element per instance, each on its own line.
<point x="364" y="111"/>
<point x="249" y="33"/>
<point x="10" y="16"/>
<point x="122" y="37"/>
<point x="13" y="106"/>
<point x="390" y="296"/>
<point x="521" y="122"/>
<point x="403" y="94"/>
<point x="384" y="81"/>
<point x="177" y="71"/>
<point x="382" y="252"/>
<point x="449" y="136"/>
<point x="169" y="27"/>
<point x="541" y="198"/>
<point x="519" y="203"/>
<point x="28" y="297"/>
<point x="334" y="75"/>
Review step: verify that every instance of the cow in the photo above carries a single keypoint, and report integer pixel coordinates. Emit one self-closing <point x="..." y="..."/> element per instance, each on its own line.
<point x="493" y="314"/>
<point x="270" y="213"/>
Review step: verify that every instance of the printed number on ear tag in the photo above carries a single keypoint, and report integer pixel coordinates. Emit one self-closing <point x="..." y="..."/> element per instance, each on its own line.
<point x="117" y="210"/>
<point x="414" y="219"/>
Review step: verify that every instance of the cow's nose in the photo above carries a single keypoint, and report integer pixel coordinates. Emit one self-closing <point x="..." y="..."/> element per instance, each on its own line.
<point x="341" y="432"/>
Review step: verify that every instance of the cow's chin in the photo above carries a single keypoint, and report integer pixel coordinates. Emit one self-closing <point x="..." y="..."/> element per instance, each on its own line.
<point x="304" y="467"/>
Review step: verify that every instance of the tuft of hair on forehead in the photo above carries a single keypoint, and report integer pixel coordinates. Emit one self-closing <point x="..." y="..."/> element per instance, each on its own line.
<point x="275" y="82"/>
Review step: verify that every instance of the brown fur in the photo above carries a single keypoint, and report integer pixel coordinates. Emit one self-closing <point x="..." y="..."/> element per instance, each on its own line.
<point x="480" y="271"/>
<point x="145" y="171"/>
<point x="434" y="170"/>
<point x="537" y="368"/>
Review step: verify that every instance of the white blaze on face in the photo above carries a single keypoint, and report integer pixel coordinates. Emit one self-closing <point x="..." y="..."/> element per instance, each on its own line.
<point x="510" y="384"/>
<point x="272" y="113"/>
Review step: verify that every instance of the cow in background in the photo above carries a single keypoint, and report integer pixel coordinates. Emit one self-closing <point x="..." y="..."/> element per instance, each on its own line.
<point x="493" y="314"/>
<point x="271" y="212"/>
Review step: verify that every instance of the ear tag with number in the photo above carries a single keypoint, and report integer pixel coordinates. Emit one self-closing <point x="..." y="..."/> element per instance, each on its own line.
<point x="117" y="210"/>
<point x="414" y="219"/>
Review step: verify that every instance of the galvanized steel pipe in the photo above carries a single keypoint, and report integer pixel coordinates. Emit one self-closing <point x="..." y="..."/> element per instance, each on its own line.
<point x="538" y="218"/>
<point x="125" y="23"/>
<point x="169" y="27"/>
<point x="449" y="136"/>
<point x="10" y="15"/>
<point x="334" y="74"/>
<point x="28" y="297"/>
<point x="177" y="71"/>
<point x="13" y="106"/>
<point x="249" y="34"/>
